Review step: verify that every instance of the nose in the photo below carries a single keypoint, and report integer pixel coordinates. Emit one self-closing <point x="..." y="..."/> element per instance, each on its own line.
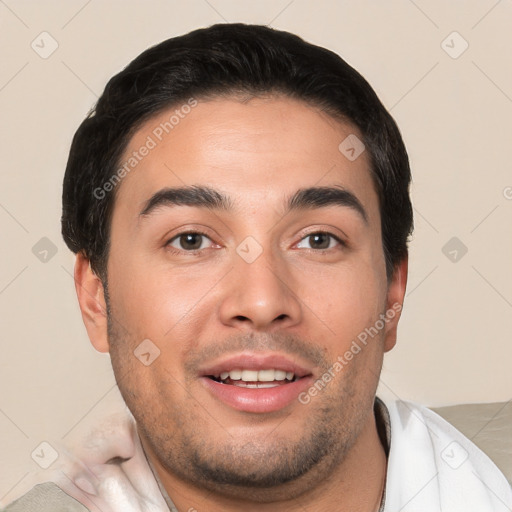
<point x="260" y="296"/>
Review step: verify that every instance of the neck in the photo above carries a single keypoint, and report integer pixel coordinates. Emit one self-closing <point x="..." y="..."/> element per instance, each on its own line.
<point x="355" y="485"/>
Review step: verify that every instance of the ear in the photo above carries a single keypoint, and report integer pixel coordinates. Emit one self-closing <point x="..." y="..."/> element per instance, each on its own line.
<point x="91" y="297"/>
<point x="394" y="304"/>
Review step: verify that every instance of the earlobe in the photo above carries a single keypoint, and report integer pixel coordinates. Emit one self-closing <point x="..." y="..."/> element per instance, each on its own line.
<point x="91" y="298"/>
<point x="395" y="300"/>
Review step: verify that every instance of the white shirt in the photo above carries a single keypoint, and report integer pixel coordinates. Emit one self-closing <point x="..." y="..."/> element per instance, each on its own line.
<point x="433" y="467"/>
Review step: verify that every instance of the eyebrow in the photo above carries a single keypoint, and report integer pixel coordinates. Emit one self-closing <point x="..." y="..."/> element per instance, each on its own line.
<point x="206" y="197"/>
<point x="318" y="197"/>
<point x="195" y="195"/>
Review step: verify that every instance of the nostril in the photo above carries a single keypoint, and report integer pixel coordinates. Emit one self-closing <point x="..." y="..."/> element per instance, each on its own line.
<point x="241" y="317"/>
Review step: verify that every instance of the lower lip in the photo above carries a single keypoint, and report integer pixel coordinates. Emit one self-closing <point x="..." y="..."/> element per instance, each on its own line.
<point x="257" y="400"/>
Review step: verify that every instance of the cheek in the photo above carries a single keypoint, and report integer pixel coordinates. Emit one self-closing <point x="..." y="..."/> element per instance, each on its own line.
<point x="344" y="301"/>
<point x="163" y="304"/>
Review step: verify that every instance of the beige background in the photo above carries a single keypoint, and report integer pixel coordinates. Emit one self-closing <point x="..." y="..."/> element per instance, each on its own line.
<point x="455" y="114"/>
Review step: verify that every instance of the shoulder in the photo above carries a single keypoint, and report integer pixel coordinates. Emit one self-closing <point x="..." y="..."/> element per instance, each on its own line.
<point x="431" y="462"/>
<point x="45" y="497"/>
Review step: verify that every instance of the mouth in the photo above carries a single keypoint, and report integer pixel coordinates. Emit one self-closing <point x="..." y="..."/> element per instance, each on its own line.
<point x="255" y="379"/>
<point x="256" y="383"/>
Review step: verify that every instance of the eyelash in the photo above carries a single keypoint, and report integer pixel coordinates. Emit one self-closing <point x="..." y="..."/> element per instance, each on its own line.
<point x="174" y="250"/>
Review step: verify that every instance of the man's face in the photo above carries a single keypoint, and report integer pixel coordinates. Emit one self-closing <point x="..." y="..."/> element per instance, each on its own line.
<point x="248" y="284"/>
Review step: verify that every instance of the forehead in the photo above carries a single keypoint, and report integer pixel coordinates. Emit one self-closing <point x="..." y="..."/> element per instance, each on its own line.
<point x="258" y="150"/>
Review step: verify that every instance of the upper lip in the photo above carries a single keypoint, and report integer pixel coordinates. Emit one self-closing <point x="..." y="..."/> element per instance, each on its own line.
<point x="254" y="361"/>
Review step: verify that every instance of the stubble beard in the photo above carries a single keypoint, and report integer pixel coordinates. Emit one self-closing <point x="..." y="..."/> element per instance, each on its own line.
<point x="263" y="470"/>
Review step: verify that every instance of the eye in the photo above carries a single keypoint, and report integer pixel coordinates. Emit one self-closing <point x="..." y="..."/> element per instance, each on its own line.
<point x="190" y="241"/>
<point x="319" y="241"/>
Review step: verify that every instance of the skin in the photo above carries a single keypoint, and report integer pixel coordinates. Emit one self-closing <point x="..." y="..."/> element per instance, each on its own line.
<point x="296" y="299"/>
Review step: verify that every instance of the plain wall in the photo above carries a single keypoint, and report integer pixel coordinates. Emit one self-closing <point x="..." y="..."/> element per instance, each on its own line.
<point x="455" y="114"/>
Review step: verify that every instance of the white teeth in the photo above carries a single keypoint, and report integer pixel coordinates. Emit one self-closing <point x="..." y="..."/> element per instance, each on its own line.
<point x="235" y="374"/>
<point x="249" y="375"/>
<point x="267" y="375"/>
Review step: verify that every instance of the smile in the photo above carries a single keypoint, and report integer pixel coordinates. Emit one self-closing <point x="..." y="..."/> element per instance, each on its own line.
<point x="255" y="379"/>
<point x="256" y="383"/>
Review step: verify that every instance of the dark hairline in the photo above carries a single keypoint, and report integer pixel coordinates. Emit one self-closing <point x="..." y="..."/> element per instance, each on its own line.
<point x="219" y="61"/>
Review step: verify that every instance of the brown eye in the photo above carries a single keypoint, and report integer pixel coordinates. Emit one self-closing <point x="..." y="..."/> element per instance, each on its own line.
<point x="319" y="241"/>
<point x="190" y="241"/>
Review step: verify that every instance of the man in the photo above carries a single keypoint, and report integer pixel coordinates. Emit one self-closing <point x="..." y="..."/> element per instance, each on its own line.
<point x="238" y="203"/>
